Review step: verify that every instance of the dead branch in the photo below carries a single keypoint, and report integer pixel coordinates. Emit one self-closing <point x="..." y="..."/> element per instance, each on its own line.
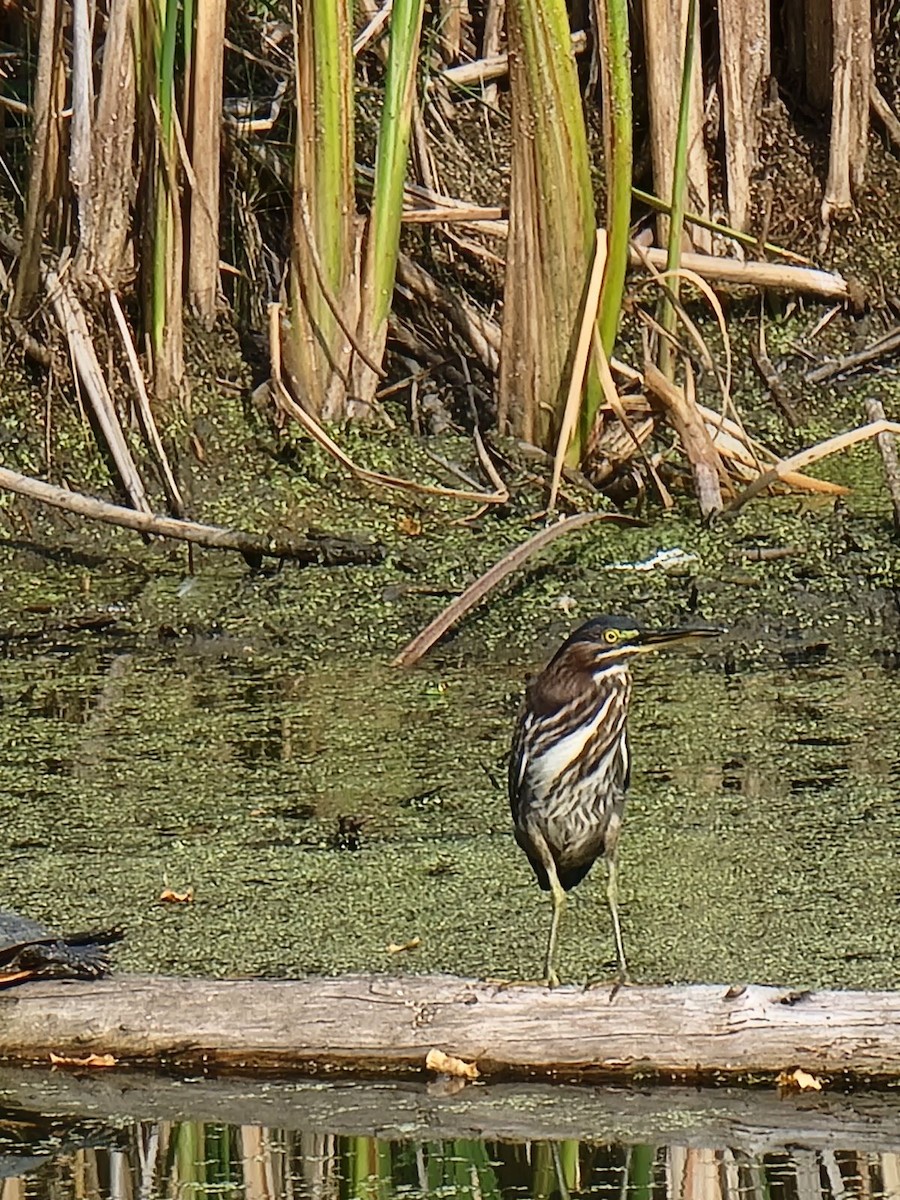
<point x="782" y="276"/>
<point x="885" y="114"/>
<point x="695" y="440"/>
<point x="325" y="551"/>
<point x="886" y="344"/>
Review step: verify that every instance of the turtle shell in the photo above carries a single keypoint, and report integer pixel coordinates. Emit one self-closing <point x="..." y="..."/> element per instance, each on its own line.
<point x="28" y="951"/>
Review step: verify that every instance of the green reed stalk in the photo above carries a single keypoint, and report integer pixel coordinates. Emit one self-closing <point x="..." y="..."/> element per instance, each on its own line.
<point x="552" y="228"/>
<point x="617" y="99"/>
<point x="679" y="189"/>
<point x="166" y="30"/>
<point x="619" y="158"/>
<point x="391" y="159"/>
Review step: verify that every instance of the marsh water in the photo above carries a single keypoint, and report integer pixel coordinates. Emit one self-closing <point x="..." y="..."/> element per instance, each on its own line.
<point x="323" y="814"/>
<point x="308" y="808"/>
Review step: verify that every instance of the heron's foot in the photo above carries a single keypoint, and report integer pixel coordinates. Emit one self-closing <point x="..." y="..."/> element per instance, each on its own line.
<point x="548" y="982"/>
<point x="620" y="979"/>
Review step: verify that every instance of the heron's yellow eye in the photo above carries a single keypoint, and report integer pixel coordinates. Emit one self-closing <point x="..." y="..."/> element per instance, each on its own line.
<point x="611" y="636"/>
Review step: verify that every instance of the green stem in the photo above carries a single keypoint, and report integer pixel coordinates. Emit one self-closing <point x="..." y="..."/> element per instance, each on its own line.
<point x="679" y="189"/>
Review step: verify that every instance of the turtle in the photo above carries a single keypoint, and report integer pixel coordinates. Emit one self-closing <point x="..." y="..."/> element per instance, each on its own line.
<point x="29" y="950"/>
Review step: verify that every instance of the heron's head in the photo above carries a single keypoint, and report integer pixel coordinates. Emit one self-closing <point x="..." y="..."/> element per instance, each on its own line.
<point x="611" y="641"/>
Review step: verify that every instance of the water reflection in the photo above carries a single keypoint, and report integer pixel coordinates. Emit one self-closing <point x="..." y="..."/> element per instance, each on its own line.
<point x="392" y="1141"/>
<point x="194" y="1160"/>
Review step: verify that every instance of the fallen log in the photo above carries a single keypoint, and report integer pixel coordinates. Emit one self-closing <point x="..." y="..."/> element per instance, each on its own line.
<point x="366" y="1023"/>
<point x="756" y="1120"/>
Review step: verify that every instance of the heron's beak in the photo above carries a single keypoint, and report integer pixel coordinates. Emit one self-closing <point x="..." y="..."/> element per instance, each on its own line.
<point x="655" y="639"/>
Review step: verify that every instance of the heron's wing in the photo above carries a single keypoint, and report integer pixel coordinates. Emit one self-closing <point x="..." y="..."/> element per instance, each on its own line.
<point x="518" y="760"/>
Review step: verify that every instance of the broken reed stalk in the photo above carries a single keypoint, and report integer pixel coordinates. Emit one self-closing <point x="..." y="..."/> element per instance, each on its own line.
<point x="887" y="447"/>
<point x="327" y="550"/>
<point x="457" y="609"/>
<point x="74" y="324"/>
<point x="782" y="276"/>
<point x="797" y="462"/>
<point x="694" y="437"/>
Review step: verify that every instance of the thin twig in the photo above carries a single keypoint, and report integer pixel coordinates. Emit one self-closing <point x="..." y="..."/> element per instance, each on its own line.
<point x="886" y="344"/>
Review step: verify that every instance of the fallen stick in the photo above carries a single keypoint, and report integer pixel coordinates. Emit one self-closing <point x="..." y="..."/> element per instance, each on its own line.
<point x="696" y="442"/>
<point x="377" y="1023"/>
<point x="325" y="550"/>
<point x="797" y="462"/>
<point x="887" y="446"/>
<point x="457" y="609"/>
<point x="885" y="114"/>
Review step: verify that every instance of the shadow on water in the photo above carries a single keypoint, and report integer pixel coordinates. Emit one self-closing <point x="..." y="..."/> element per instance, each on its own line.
<point x="376" y="1141"/>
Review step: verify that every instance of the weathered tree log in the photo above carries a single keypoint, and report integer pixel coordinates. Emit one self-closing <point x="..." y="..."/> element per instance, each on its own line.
<point x="756" y="1120"/>
<point x="378" y="1023"/>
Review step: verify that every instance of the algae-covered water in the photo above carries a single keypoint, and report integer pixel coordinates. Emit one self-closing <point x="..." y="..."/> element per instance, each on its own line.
<point x="325" y="809"/>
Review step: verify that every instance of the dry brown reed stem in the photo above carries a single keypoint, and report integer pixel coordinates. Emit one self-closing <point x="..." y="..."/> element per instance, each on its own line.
<point x="797" y="462"/>
<point x="145" y="412"/>
<point x="887" y="447"/>
<point x="482" y="334"/>
<point x="744" y="41"/>
<point x="747" y="458"/>
<point x="457" y="609"/>
<point x="579" y="365"/>
<point x="74" y="324"/>
<point x="851" y="83"/>
<point x="327" y="550"/>
<point x="373" y="28"/>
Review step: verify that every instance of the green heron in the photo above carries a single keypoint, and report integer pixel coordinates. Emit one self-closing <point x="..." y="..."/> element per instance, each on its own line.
<point x="570" y="764"/>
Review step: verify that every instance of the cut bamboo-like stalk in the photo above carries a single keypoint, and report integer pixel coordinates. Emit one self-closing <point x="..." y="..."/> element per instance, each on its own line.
<point x="206" y="125"/>
<point x="664" y="25"/>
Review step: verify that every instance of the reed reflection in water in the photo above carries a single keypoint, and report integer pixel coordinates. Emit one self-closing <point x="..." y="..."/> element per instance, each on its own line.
<point x="193" y="1160"/>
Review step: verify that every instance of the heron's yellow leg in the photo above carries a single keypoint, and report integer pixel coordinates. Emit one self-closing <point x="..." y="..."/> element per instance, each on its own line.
<point x="558" y="897"/>
<point x="612" y="899"/>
